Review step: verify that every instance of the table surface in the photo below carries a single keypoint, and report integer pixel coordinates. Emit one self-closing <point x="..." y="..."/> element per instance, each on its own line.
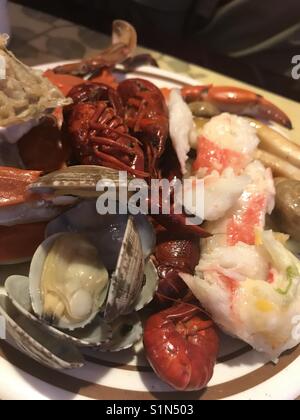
<point x="40" y="38"/>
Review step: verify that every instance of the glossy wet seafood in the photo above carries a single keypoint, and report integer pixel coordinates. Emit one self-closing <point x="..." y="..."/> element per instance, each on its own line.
<point x="71" y="295"/>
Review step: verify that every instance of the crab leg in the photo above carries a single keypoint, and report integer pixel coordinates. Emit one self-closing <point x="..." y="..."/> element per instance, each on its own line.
<point x="13" y="185"/>
<point x="124" y="42"/>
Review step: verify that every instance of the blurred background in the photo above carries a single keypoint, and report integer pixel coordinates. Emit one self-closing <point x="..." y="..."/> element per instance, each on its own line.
<point x="253" y="40"/>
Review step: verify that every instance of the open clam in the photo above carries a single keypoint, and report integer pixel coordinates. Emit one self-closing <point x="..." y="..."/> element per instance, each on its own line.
<point x="84" y="219"/>
<point x="36" y="342"/>
<point x="68" y="281"/>
<point x="72" y="296"/>
<point x="96" y="334"/>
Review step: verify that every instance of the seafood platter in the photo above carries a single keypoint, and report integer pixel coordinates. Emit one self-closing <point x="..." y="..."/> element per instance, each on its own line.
<point x="172" y="310"/>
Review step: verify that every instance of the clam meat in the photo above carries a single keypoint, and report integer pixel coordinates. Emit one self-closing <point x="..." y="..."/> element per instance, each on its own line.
<point x="68" y="281"/>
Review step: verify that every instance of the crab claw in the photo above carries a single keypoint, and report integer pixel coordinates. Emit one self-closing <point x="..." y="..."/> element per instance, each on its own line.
<point x="237" y="101"/>
<point x="195" y="93"/>
<point x="245" y="102"/>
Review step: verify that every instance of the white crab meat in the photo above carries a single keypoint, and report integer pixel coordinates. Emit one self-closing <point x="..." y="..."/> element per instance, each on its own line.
<point x="182" y="127"/>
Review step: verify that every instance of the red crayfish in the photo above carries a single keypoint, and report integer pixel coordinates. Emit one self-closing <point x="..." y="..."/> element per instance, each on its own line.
<point x="174" y="254"/>
<point x="95" y="124"/>
<point x="182" y="345"/>
<point x="125" y="129"/>
<point x="147" y="117"/>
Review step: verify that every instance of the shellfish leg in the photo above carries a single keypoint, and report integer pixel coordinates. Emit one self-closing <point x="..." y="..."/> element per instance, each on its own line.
<point x="237" y="101"/>
<point x="13" y="185"/>
<point x="124" y="42"/>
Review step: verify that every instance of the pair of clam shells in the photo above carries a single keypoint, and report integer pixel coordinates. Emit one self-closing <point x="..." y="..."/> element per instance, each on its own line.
<point x="113" y="326"/>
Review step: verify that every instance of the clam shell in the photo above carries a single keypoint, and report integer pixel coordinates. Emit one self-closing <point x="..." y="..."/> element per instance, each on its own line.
<point x="80" y="181"/>
<point x="150" y="286"/>
<point x="147" y="234"/>
<point x="128" y="279"/>
<point x="127" y="331"/>
<point x="35" y="275"/>
<point x="30" y="212"/>
<point x="105" y="232"/>
<point x="95" y="334"/>
<point x="37" y="343"/>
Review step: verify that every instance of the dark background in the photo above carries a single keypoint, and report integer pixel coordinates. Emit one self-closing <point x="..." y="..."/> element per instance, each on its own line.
<point x="252" y="40"/>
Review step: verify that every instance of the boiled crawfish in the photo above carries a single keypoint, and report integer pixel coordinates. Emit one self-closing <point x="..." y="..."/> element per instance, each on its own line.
<point x="147" y="117"/>
<point x="181" y="344"/>
<point x="174" y="254"/>
<point x="125" y="130"/>
<point x="95" y="125"/>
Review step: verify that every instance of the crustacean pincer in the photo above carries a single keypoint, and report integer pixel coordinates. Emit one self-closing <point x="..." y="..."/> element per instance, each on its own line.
<point x="209" y="101"/>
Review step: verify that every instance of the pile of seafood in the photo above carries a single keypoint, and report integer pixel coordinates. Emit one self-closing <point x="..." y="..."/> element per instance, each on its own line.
<point x="91" y="276"/>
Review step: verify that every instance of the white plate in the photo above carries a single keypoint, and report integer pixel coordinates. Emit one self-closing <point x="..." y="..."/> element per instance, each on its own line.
<point x="241" y="373"/>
